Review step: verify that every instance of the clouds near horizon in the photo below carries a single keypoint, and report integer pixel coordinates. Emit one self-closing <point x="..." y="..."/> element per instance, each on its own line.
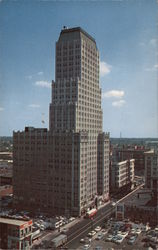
<point x="43" y="84"/>
<point x="113" y="93"/>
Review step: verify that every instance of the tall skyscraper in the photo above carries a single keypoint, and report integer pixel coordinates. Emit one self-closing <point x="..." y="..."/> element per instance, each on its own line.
<point x="68" y="166"/>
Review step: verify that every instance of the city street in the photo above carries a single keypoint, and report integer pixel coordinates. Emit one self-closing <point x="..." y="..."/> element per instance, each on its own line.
<point x="81" y="229"/>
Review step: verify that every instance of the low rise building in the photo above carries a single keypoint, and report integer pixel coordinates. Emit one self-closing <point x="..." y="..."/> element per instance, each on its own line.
<point x="122" y="174"/>
<point x="15" y="234"/>
<point x="133" y="152"/>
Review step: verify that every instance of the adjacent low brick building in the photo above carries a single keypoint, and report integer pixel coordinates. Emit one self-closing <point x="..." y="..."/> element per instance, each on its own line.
<point x="15" y="234"/>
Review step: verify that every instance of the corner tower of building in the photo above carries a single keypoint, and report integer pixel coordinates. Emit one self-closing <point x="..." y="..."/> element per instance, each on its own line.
<point x="76" y="95"/>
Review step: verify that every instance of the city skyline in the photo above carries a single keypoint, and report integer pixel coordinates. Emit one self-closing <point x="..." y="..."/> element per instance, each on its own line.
<point x="125" y="32"/>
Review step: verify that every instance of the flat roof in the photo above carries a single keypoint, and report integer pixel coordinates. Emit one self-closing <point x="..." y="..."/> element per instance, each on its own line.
<point x="149" y="152"/>
<point x="5" y="153"/>
<point x="78" y="29"/>
<point x="13" y="221"/>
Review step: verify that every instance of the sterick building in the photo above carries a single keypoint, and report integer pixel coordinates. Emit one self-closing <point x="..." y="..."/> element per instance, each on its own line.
<point x="63" y="169"/>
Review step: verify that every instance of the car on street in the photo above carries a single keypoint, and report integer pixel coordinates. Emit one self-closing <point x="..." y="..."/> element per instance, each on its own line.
<point x="89" y="234"/>
<point x="86" y="246"/>
<point x="64" y="230"/>
<point x="97" y="229"/>
<point x="82" y="241"/>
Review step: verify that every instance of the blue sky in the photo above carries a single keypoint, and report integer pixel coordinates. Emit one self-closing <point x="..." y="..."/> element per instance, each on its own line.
<point x="126" y="36"/>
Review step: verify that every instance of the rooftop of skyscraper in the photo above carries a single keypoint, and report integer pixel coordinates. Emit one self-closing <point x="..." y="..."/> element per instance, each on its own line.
<point x="76" y="30"/>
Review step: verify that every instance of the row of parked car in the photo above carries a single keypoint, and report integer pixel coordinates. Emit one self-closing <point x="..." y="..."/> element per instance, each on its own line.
<point x="121" y="230"/>
<point x="43" y="222"/>
<point x="96" y="234"/>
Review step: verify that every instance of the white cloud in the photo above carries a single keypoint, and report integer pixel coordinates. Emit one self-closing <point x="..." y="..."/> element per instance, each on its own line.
<point x="1" y="109"/>
<point x="113" y="93"/>
<point x="43" y="84"/>
<point x="153" y="42"/>
<point x="40" y="73"/>
<point x="34" y="105"/>
<point x="104" y="68"/>
<point x="119" y="103"/>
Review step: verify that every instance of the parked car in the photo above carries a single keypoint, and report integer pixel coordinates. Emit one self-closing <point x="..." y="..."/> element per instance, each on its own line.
<point x="98" y="248"/>
<point x="109" y="237"/>
<point x="99" y="236"/>
<point x="104" y="231"/>
<point x="138" y="231"/>
<point x="93" y="233"/>
<point x="119" y="239"/>
<point x="114" y="238"/>
<point x="133" y="231"/>
<point x="132" y="240"/>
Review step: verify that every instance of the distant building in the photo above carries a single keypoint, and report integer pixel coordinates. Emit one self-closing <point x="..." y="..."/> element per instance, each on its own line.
<point x="151" y="173"/>
<point x="122" y="175"/>
<point x="15" y="234"/>
<point x="6" y="155"/>
<point x="133" y="152"/>
<point x="56" y="170"/>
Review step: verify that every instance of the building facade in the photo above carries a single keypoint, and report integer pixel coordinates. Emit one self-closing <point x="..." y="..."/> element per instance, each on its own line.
<point x="15" y="234"/>
<point x="133" y="152"/>
<point x="62" y="164"/>
<point x="151" y="174"/>
<point x="122" y="174"/>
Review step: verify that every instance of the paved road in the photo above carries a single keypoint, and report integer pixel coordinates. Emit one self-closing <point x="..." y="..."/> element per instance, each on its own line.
<point x="80" y="227"/>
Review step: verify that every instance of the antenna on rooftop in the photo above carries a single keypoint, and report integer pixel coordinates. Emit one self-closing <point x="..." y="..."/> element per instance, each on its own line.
<point x="65" y="27"/>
